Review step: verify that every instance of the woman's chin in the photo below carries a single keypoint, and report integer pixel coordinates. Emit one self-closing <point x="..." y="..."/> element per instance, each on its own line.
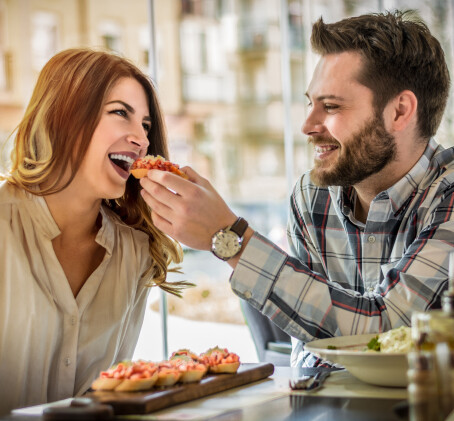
<point x="114" y="191"/>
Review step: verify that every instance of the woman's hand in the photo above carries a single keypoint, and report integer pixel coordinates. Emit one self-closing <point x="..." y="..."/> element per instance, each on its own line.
<point x="190" y="211"/>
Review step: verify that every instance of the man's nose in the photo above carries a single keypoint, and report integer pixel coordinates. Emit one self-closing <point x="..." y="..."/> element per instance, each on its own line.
<point x="313" y="124"/>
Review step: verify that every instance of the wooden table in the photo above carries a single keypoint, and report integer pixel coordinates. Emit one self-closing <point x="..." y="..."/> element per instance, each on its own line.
<point x="342" y="398"/>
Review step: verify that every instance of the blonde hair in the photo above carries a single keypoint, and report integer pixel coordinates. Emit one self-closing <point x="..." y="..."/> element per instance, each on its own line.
<point x="57" y="128"/>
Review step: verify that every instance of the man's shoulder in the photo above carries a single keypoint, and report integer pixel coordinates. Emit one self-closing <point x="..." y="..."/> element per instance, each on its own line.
<point x="441" y="171"/>
<point x="444" y="157"/>
<point x="438" y="181"/>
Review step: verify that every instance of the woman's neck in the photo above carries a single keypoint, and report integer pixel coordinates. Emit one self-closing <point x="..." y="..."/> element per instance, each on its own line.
<point x="75" y="216"/>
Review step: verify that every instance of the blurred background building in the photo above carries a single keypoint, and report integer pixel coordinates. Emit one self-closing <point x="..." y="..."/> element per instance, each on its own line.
<point x="231" y="75"/>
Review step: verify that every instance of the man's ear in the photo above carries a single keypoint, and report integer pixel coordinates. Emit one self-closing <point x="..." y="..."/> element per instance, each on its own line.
<point x="402" y="110"/>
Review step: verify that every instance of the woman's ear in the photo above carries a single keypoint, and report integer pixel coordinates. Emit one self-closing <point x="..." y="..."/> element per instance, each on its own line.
<point x="402" y="110"/>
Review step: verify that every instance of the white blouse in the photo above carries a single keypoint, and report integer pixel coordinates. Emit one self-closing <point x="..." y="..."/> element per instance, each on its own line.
<point x="53" y="345"/>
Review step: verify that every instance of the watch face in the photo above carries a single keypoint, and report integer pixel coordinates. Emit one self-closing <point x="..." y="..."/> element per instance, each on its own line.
<point x="226" y="244"/>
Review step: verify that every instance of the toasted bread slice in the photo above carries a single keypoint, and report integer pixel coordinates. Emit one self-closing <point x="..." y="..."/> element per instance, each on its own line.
<point x="192" y="375"/>
<point x="139" y="172"/>
<point x="224" y="368"/>
<point x="134" y="385"/>
<point x="105" y="383"/>
<point x="167" y="378"/>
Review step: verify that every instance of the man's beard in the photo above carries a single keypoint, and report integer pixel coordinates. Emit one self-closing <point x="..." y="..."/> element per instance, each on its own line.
<point x="365" y="153"/>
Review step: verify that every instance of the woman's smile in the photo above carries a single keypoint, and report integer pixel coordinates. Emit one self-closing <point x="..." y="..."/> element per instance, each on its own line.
<point x="121" y="163"/>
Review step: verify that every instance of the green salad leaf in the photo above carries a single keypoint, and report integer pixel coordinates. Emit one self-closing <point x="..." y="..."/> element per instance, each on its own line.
<point x="374" y="344"/>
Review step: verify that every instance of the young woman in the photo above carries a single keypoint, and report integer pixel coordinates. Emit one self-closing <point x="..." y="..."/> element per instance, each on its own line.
<point x="77" y="246"/>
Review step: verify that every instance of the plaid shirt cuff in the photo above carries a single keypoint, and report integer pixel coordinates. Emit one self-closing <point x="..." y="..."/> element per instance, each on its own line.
<point x="257" y="270"/>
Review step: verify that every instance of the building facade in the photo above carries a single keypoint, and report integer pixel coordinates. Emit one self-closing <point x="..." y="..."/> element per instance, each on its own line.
<point x="219" y="73"/>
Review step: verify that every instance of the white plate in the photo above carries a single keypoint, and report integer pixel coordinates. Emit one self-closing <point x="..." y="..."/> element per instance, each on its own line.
<point x="370" y="367"/>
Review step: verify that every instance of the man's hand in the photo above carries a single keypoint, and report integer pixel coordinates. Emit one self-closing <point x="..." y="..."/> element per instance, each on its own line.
<point x="190" y="211"/>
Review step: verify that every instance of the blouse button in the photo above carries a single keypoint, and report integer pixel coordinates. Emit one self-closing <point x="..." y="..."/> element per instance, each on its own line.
<point x="247" y="295"/>
<point x="371" y="239"/>
<point x="67" y="361"/>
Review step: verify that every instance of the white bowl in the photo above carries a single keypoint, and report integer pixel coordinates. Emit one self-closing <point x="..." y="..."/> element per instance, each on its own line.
<point x="369" y="366"/>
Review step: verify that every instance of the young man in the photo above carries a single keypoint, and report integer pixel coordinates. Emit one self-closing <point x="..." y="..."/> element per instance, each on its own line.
<point x="371" y="225"/>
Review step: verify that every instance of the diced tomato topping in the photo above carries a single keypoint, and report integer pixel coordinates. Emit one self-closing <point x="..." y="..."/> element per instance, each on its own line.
<point x="130" y="370"/>
<point x="217" y="356"/>
<point x="151" y="162"/>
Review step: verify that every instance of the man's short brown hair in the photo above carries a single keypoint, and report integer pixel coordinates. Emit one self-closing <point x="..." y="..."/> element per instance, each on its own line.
<point x="399" y="53"/>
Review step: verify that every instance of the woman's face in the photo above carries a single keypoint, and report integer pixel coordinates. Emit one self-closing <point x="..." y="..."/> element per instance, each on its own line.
<point x="118" y="140"/>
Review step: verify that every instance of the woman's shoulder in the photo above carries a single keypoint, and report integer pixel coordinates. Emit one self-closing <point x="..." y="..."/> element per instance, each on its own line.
<point x="10" y="197"/>
<point x="9" y="193"/>
<point x="12" y="211"/>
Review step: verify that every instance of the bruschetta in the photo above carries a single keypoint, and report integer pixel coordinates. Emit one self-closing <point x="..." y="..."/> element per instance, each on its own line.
<point x="220" y="360"/>
<point x="141" y="166"/>
<point x="127" y="376"/>
<point x="168" y="374"/>
<point x="186" y="353"/>
<point x="191" y="371"/>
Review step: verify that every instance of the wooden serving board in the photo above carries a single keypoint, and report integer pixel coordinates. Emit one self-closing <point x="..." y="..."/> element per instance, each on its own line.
<point x="155" y="399"/>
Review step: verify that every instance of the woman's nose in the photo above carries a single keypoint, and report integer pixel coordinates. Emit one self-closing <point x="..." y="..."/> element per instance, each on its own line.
<point x="139" y="139"/>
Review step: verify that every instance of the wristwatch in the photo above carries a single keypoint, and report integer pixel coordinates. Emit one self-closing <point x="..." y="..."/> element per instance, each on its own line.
<point x="226" y="243"/>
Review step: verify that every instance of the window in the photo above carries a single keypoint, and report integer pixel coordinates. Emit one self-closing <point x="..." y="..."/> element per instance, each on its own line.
<point x="206" y="78"/>
<point x="110" y="34"/>
<point x="4" y="55"/>
<point x="44" y="40"/>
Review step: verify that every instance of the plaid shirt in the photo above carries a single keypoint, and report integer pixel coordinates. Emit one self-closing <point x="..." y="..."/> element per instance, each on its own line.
<point x="344" y="277"/>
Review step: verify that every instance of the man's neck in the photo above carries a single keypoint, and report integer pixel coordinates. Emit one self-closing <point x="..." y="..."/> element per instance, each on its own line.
<point x="361" y="209"/>
<point x="369" y="188"/>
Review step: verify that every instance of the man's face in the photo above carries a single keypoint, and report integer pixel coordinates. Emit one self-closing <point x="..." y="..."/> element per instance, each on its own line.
<point x="363" y="154"/>
<point x="350" y="139"/>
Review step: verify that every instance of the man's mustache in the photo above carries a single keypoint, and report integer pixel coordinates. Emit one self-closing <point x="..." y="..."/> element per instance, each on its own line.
<point x="322" y="140"/>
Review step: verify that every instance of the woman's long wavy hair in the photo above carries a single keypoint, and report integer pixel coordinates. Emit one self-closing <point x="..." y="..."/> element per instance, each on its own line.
<point x="57" y="128"/>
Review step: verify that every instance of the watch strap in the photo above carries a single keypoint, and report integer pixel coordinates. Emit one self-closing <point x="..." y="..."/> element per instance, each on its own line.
<point x="239" y="227"/>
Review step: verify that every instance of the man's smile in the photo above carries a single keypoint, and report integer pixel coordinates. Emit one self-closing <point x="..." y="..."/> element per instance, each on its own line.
<point x="323" y="151"/>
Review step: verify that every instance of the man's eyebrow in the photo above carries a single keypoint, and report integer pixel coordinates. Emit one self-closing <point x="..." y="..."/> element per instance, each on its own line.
<point x="323" y="97"/>
<point x="128" y="107"/>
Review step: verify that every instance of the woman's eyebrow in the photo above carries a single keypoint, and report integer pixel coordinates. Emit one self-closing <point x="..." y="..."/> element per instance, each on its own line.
<point x="128" y="107"/>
